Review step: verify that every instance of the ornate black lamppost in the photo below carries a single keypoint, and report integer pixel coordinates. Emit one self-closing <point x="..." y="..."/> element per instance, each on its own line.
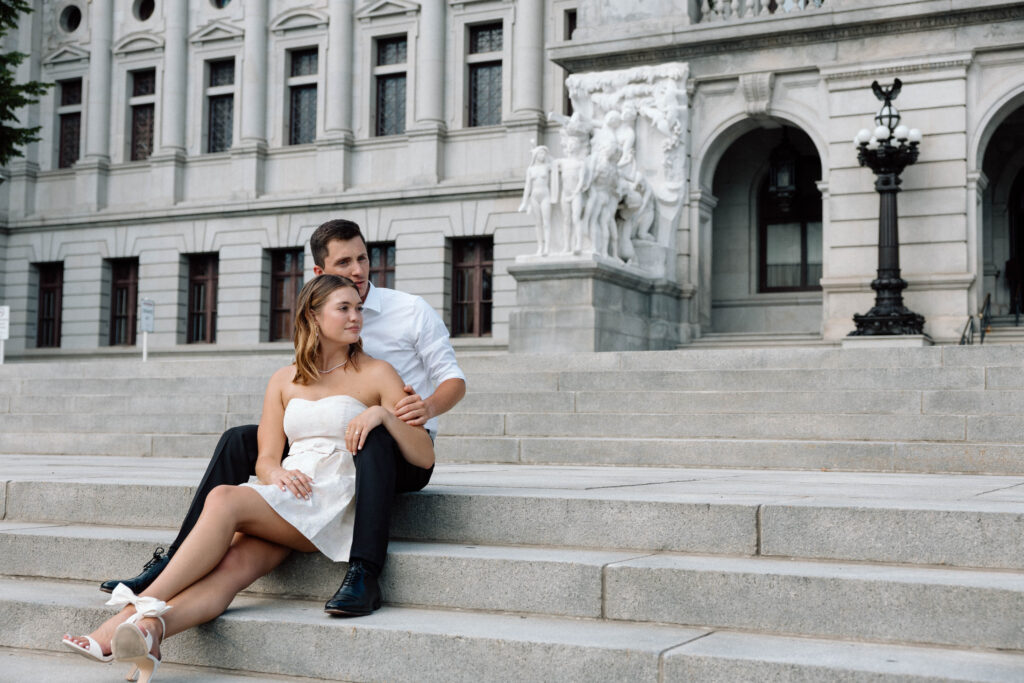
<point x="887" y="151"/>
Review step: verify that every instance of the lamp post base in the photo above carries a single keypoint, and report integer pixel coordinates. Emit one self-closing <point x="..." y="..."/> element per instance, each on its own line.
<point x="894" y="320"/>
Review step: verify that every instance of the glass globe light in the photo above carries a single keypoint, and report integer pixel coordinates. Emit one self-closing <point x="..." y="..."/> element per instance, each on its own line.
<point x="901" y="132"/>
<point x="873" y="143"/>
<point x="863" y="135"/>
<point x="882" y="133"/>
<point x="914" y="135"/>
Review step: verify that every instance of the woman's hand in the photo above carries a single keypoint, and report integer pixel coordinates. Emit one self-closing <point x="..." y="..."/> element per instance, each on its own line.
<point x="360" y="425"/>
<point x="295" y="481"/>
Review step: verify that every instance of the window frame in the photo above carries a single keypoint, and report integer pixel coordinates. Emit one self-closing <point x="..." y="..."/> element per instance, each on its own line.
<point x="474" y="61"/>
<point x="294" y="280"/>
<point x="42" y="288"/>
<point x="385" y="249"/>
<point x="218" y="91"/>
<point x="136" y="102"/>
<point x="131" y="306"/>
<point x="807" y="209"/>
<point x="381" y="72"/>
<point x="210" y="263"/>
<point x="479" y="266"/>
<point x="305" y="81"/>
<point x="67" y="110"/>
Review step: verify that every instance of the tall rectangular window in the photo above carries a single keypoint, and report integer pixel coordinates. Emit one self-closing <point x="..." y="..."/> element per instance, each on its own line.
<point x="389" y="77"/>
<point x="382" y="264"/>
<point x="202" y="298"/>
<point x="143" y="113"/>
<point x="484" y="62"/>
<point x="69" y="116"/>
<point x="124" y="295"/>
<point x="220" y="104"/>
<point x="285" y="284"/>
<point x="302" y="96"/>
<point x="51" y="296"/>
<point x="789" y="235"/>
<point x="472" y="272"/>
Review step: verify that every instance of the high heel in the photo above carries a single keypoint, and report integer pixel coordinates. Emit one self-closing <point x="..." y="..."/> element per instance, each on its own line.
<point x="131" y="643"/>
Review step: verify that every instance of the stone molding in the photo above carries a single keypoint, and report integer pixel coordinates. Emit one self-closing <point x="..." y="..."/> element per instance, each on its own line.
<point x="141" y="41"/>
<point x="66" y="54"/>
<point x="757" y="91"/>
<point x="388" y="8"/>
<point x="864" y="71"/>
<point x="916" y="282"/>
<point x="302" y="19"/>
<point x="214" y="31"/>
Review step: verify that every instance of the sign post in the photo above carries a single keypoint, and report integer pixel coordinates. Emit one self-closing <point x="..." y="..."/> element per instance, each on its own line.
<point x="146" y="320"/>
<point x="5" y="329"/>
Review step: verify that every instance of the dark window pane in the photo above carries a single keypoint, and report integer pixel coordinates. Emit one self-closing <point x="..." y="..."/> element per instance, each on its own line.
<point x="286" y="282"/>
<point x="391" y="51"/>
<point x="143" y="82"/>
<point x="485" y="94"/>
<point x="304" y="62"/>
<point x="382" y="264"/>
<point x="485" y="38"/>
<point x="391" y="104"/>
<point x="221" y="115"/>
<point x="202" y="300"/>
<point x="471" y="286"/>
<point x="71" y="92"/>
<point x="51" y="294"/>
<point x="142" y="132"/>
<point x="222" y="72"/>
<point x="124" y="290"/>
<point x="70" y="135"/>
<point x="303" y="115"/>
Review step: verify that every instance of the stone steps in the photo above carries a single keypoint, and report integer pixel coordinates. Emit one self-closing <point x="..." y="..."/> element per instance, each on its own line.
<point x="445" y="645"/>
<point x="775" y="595"/>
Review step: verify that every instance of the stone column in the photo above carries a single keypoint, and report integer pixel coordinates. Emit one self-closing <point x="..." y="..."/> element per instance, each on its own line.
<point x="977" y="181"/>
<point x="91" y="179"/>
<point x="333" y="151"/>
<point x="426" y="138"/>
<point x="169" y="161"/>
<point x="528" y="66"/>
<point x="250" y="154"/>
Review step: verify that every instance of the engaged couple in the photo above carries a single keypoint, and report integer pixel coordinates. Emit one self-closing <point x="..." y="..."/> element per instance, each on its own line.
<point x="344" y="429"/>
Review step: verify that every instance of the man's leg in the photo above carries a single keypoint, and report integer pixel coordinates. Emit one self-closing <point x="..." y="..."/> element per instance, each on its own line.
<point x="381" y="472"/>
<point x="233" y="461"/>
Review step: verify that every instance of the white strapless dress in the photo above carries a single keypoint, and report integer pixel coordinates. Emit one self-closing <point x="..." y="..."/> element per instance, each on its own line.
<point x="316" y="432"/>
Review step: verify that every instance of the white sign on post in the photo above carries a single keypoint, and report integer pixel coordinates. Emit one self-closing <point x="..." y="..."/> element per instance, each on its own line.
<point x="147" y="319"/>
<point x="5" y="329"/>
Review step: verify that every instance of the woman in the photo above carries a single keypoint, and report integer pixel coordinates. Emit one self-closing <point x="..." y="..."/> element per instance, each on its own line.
<point x="325" y="405"/>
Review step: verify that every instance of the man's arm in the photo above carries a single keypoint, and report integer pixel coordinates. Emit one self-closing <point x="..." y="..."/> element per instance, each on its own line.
<point x="416" y="411"/>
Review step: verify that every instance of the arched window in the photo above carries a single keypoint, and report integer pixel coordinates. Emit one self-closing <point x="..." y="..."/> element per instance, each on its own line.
<point x="789" y="222"/>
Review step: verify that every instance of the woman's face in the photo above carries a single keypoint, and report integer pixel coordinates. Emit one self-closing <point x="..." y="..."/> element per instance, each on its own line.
<point x="341" y="317"/>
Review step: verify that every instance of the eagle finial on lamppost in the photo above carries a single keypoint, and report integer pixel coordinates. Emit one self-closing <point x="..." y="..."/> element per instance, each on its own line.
<point x="887" y="150"/>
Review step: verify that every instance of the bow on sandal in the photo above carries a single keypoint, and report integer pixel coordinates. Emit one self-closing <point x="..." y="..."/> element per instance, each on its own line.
<point x="131" y="643"/>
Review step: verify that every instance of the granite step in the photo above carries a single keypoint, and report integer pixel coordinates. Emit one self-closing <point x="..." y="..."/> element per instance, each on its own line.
<point x="444" y="645"/>
<point x="952" y="520"/>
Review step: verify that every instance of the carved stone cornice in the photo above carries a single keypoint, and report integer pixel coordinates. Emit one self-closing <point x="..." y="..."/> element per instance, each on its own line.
<point x="575" y="58"/>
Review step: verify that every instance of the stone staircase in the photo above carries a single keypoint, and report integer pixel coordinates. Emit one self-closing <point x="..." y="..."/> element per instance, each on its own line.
<point x="810" y="514"/>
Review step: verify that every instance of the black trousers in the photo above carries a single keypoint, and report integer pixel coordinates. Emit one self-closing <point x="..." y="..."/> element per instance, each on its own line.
<point x="381" y="472"/>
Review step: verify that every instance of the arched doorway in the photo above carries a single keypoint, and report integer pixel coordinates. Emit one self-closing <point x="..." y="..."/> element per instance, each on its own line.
<point x="766" y="241"/>
<point x="1003" y="220"/>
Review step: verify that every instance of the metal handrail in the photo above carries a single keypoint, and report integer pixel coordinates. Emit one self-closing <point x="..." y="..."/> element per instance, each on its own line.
<point x="984" y="324"/>
<point x="986" y="317"/>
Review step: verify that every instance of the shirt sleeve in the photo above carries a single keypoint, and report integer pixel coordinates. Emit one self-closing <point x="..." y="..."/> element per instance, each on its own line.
<point x="434" y="346"/>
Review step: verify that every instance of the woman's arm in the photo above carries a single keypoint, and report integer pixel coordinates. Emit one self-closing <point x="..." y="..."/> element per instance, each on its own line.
<point x="413" y="442"/>
<point x="271" y="439"/>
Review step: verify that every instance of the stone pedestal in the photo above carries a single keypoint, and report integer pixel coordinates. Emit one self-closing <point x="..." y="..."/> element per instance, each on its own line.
<point x="880" y="341"/>
<point x="590" y="303"/>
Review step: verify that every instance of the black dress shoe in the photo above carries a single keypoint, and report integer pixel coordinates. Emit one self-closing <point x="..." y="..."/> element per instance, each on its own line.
<point x="359" y="594"/>
<point x="142" y="581"/>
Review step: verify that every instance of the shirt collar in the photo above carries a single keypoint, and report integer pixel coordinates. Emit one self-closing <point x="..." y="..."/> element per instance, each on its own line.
<point x="373" y="299"/>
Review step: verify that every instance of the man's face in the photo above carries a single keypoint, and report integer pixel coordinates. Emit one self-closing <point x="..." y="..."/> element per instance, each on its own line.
<point x="348" y="258"/>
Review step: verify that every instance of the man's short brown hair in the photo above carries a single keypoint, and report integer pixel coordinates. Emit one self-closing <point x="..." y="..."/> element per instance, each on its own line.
<point x="335" y="229"/>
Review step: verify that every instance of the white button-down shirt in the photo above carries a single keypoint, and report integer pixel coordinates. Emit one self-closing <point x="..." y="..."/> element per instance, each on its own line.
<point x="407" y="332"/>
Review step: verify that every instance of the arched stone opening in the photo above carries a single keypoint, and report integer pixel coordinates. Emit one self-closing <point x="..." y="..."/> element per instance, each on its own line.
<point x="766" y="234"/>
<point x="1002" y="218"/>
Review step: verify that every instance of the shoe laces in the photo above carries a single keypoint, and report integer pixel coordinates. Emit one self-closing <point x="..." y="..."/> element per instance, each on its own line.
<point x="157" y="557"/>
<point x="353" y="574"/>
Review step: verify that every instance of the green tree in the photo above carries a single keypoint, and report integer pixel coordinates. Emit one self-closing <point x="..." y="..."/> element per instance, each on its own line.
<point x="14" y="95"/>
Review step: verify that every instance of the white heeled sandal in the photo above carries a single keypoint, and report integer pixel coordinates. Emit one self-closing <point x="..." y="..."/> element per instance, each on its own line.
<point x="131" y="643"/>
<point x="92" y="650"/>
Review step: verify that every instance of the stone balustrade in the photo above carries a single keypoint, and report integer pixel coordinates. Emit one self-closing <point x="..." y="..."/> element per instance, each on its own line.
<point x="729" y="10"/>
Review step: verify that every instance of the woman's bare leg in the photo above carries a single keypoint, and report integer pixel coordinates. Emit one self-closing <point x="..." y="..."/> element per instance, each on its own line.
<point x="228" y="509"/>
<point x="248" y="559"/>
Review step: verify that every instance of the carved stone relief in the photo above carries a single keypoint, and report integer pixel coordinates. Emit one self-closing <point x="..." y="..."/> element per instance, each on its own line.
<point x="617" y="191"/>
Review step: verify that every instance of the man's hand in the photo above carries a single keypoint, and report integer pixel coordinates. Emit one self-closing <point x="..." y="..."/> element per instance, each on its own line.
<point x="412" y="409"/>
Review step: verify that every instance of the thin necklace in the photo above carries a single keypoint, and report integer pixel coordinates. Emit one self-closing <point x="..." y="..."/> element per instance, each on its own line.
<point x="324" y="372"/>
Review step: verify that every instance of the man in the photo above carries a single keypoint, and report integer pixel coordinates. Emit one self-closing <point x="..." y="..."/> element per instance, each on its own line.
<point x="397" y="327"/>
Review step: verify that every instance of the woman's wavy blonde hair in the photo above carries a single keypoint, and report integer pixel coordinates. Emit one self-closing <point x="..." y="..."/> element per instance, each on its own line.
<point x="307" y="340"/>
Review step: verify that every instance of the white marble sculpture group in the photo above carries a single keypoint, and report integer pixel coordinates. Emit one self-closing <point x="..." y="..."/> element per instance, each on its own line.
<point x="619" y="185"/>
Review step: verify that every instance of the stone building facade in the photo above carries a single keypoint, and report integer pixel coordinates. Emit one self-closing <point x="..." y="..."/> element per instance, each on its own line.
<point x="190" y="148"/>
